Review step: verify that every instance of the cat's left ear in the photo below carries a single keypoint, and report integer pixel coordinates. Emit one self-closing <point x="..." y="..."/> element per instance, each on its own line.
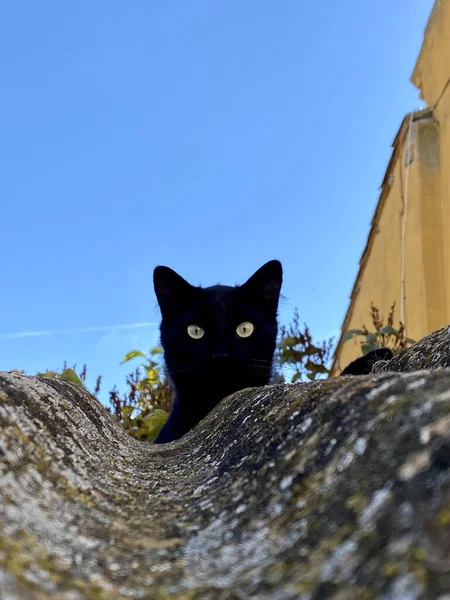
<point x="266" y="283"/>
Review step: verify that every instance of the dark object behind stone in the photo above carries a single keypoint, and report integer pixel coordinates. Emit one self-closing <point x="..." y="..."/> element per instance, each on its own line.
<point x="364" y="364"/>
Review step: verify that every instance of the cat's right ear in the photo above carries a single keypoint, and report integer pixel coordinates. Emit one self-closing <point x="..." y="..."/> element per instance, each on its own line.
<point x="170" y="288"/>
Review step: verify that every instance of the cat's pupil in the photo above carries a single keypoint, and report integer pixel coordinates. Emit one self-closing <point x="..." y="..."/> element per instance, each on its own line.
<point x="245" y="329"/>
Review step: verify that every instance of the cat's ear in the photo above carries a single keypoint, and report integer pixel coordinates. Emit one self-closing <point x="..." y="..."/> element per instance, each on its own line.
<point x="170" y="288"/>
<point x="266" y="283"/>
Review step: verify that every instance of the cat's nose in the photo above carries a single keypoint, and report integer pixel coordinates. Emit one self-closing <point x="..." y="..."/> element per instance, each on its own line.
<point x="221" y="355"/>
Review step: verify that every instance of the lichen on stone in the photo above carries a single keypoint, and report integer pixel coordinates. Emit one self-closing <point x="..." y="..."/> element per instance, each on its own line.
<point x="338" y="488"/>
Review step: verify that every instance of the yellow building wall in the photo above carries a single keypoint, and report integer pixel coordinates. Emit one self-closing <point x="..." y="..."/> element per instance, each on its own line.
<point x="416" y="182"/>
<point x="432" y="77"/>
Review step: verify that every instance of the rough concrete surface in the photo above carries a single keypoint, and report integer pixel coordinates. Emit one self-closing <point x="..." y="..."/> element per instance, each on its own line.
<point x="333" y="489"/>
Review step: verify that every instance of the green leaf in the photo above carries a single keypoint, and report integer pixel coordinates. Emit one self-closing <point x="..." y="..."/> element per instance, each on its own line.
<point x="155" y="424"/>
<point x="365" y="348"/>
<point x="298" y="355"/>
<point x="296" y="377"/>
<point x="287" y="341"/>
<point x="48" y="374"/>
<point x="156" y="350"/>
<point x="70" y="375"/>
<point x="389" y="330"/>
<point x="290" y="359"/>
<point x="126" y="411"/>
<point x="151" y="364"/>
<point x="371" y="338"/>
<point x="153" y="375"/>
<point x="311" y="349"/>
<point x="311" y="376"/>
<point x="315" y="368"/>
<point x="131" y="355"/>
<point x="350" y="334"/>
<point x="139" y="434"/>
<point x="144" y="383"/>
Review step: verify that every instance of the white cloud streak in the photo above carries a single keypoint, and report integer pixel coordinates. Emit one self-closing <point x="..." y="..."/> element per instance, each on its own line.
<point x="29" y="334"/>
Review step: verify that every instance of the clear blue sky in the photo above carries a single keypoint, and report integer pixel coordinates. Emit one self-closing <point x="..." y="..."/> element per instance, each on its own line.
<point x="209" y="136"/>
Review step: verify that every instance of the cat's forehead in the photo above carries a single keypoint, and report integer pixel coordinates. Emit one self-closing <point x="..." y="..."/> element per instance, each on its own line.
<point x="223" y="296"/>
<point x="219" y="291"/>
<point x="215" y="302"/>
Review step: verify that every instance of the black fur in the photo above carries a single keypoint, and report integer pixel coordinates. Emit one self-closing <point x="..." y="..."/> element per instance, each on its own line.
<point x="364" y="364"/>
<point x="206" y="370"/>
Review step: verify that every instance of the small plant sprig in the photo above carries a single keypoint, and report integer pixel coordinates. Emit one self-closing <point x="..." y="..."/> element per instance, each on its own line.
<point x="70" y="374"/>
<point x="382" y="335"/>
<point x="145" y="406"/>
<point x="297" y="351"/>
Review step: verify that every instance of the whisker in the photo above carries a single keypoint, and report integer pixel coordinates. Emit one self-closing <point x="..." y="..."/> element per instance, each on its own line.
<point x="252" y="361"/>
<point x="262" y="365"/>
<point x="259" y="371"/>
<point x="260" y="360"/>
<point x="180" y="370"/>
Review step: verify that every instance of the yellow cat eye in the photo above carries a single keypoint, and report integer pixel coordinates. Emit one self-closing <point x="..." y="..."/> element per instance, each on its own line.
<point x="245" y="329"/>
<point x="195" y="332"/>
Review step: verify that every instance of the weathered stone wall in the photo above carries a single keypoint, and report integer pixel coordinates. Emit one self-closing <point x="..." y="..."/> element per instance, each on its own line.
<point x="333" y="489"/>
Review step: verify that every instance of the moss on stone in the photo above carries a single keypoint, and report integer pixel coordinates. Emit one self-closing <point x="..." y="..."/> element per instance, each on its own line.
<point x="289" y="492"/>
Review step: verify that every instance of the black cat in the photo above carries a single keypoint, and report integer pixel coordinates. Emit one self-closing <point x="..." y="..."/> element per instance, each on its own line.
<point x="217" y="340"/>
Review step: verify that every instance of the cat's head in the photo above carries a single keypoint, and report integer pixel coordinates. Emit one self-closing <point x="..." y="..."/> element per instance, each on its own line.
<point x="220" y="336"/>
